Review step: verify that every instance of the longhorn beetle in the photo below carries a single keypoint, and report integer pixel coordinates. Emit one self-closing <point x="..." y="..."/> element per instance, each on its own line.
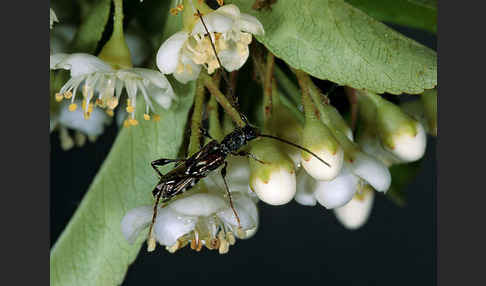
<point x="210" y="157"/>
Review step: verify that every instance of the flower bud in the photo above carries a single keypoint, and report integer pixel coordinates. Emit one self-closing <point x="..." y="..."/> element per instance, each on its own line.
<point x="356" y="212"/>
<point x="318" y="138"/>
<point x="337" y="192"/>
<point x="400" y="134"/>
<point x="274" y="181"/>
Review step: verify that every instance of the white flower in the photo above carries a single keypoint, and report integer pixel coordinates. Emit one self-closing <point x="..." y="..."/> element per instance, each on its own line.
<point x="352" y="179"/>
<point x="356" y="212"/>
<point x="103" y="85"/>
<point x="52" y="18"/>
<point x="230" y="31"/>
<point x="198" y="219"/>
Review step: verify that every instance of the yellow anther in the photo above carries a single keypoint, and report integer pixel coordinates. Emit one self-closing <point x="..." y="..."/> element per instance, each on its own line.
<point x="146" y="116"/>
<point x="83" y="105"/>
<point x="68" y="94"/>
<point x="112" y="102"/>
<point x="110" y="112"/>
<point x="174" y="11"/>
<point x="180" y="7"/>
<point x="220" y="2"/>
<point x="87" y="115"/>
<point x="90" y="107"/>
<point x="133" y="121"/>
<point x="126" y="123"/>
<point x="156" y="117"/>
<point x="130" y="109"/>
<point x="72" y="107"/>
<point x="151" y="244"/>
<point x="59" y="97"/>
<point x="99" y="102"/>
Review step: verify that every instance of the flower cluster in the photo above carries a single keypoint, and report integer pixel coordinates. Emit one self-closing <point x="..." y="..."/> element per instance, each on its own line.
<point x="203" y="217"/>
<point x="230" y="33"/>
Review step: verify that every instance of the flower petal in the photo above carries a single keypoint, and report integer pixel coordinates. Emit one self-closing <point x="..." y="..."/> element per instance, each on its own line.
<point x="305" y="189"/>
<point x="247" y="213"/>
<point x="159" y="88"/>
<point x="170" y="225"/>
<point x="134" y="221"/>
<point x="234" y="58"/>
<point x="339" y="191"/>
<point x="215" y="22"/>
<point x="355" y="213"/>
<point x="230" y="10"/>
<point x="250" y="24"/>
<point x="93" y="126"/>
<point x="200" y="204"/>
<point x="79" y="63"/>
<point x="372" y="171"/>
<point x="190" y="72"/>
<point x="169" y="52"/>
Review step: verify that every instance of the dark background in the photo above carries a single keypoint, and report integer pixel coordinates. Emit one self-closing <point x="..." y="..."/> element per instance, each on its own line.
<point x="294" y="244"/>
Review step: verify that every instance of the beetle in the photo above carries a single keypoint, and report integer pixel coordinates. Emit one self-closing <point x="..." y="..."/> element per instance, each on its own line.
<point x="210" y="157"/>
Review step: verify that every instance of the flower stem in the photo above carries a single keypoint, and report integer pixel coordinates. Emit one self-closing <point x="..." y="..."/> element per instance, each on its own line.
<point x="267" y="91"/>
<point x="287" y="85"/>
<point x="212" y="108"/>
<point x="195" y="139"/>
<point x="221" y="99"/>
<point x="115" y="51"/>
<point x="310" y="110"/>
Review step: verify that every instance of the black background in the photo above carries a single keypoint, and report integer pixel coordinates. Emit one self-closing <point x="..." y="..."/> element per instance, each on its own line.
<point x="294" y="244"/>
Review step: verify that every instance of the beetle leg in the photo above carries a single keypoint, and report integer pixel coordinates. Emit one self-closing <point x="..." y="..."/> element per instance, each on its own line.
<point x="223" y="174"/>
<point x="162" y="162"/>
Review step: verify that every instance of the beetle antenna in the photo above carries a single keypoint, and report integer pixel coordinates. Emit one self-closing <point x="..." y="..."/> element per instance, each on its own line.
<point x="225" y="77"/>
<point x="295" y="145"/>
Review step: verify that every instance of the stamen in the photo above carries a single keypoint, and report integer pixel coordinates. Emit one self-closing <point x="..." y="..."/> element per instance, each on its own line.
<point x="133" y="121"/>
<point x="68" y="94"/>
<point x="110" y="112"/>
<point x="231" y="238"/>
<point x="156" y="117"/>
<point x="130" y="109"/>
<point x="126" y="123"/>
<point x="174" y="247"/>
<point x="151" y="244"/>
<point x="146" y="116"/>
<point x="59" y="97"/>
<point x="174" y="11"/>
<point x="72" y="107"/>
<point x="112" y="102"/>
<point x="220" y="2"/>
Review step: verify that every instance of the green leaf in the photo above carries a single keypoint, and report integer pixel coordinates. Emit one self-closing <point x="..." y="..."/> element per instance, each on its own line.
<point x="416" y="14"/>
<point x="332" y="40"/>
<point x="402" y="175"/>
<point x="91" y="29"/>
<point x="92" y="250"/>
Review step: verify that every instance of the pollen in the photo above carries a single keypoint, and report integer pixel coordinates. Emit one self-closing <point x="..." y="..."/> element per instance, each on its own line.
<point x="59" y="97"/>
<point x="151" y="244"/>
<point x="112" y="102"/>
<point x="174" y="11"/>
<point x="220" y="2"/>
<point x="72" y="107"/>
<point x="130" y="109"/>
<point x="110" y="112"/>
<point x="146" y="116"/>
<point x="68" y="95"/>
<point x="126" y="123"/>
<point x="133" y="121"/>
<point x="156" y="117"/>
